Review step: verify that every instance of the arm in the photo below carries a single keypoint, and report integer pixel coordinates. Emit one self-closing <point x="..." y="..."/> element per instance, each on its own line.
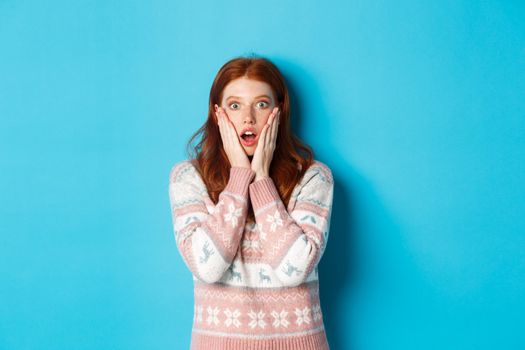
<point x="208" y="235"/>
<point x="294" y="242"/>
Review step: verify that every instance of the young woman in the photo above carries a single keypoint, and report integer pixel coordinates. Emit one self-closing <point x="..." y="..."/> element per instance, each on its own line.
<point x="251" y="214"/>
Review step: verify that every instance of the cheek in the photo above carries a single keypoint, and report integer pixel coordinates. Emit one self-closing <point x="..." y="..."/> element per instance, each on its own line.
<point x="233" y="116"/>
<point x="236" y="121"/>
<point x="264" y="116"/>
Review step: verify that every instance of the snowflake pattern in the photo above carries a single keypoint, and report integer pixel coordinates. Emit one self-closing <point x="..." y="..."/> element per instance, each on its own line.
<point x="317" y="312"/>
<point x="232" y="317"/>
<point x="262" y="234"/>
<point x="275" y="220"/>
<point x="303" y="316"/>
<point x="280" y="319"/>
<point x="257" y="319"/>
<point x="213" y="315"/>
<point x="233" y="214"/>
<point x="251" y="244"/>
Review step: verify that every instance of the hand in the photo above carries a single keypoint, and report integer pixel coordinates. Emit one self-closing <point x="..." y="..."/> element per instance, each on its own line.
<point x="262" y="158"/>
<point x="230" y="140"/>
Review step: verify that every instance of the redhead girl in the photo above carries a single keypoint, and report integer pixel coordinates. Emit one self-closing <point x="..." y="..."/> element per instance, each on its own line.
<point x="251" y="212"/>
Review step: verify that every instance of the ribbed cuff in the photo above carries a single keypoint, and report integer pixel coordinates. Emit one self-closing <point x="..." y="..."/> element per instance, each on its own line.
<point x="239" y="180"/>
<point x="262" y="192"/>
<point x="316" y="341"/>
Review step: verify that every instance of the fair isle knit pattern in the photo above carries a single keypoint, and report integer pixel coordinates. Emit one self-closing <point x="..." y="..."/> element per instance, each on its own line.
<point x="255" y="284"/>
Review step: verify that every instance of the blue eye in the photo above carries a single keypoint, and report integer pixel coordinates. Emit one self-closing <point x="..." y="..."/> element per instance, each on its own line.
<point x="234" y="104"/>
<point x="264" y="104"/>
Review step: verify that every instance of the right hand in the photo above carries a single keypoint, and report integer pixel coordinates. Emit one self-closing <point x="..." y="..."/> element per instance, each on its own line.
<point x="230" y="140"/>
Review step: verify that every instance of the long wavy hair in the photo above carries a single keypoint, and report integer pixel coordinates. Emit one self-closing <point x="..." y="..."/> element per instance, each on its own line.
<point x="291" y="157"/>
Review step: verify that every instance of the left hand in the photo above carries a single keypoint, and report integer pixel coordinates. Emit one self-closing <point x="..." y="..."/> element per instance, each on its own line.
<point x="262" y="158"/>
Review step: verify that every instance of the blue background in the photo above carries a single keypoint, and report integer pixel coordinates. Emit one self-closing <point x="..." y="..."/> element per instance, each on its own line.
<point x="418" y="108"/>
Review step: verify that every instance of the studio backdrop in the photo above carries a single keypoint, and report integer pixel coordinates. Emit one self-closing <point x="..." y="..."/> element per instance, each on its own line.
<point x="417" y="107"/>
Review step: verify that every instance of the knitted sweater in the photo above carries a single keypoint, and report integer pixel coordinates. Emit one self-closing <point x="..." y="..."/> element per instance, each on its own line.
<point x="255" y="284"/>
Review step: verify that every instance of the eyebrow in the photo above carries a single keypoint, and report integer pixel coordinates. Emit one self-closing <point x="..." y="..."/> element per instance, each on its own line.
<point x="239" y="98"/>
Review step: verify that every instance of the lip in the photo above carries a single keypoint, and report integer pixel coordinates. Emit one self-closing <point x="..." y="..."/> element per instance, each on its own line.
<point x="251" y="142"/>
<point x="251" y="128"/>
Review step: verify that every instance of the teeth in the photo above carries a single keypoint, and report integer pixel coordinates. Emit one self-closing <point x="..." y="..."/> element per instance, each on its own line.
<point x="248" y="133"/>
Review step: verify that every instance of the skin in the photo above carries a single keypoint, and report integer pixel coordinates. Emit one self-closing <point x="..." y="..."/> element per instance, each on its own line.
<point x="242" y="106"/>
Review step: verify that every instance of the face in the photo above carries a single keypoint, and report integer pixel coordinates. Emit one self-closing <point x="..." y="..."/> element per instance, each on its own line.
<point x="248" y="103"/>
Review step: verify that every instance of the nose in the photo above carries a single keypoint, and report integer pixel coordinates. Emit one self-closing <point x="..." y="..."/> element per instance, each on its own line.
<point x="249" y="117"/>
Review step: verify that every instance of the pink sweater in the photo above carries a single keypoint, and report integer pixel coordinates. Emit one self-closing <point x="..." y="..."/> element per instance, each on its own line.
<point x="255" y="284"/>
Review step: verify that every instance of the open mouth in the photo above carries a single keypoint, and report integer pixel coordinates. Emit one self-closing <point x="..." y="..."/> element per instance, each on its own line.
<point x="249" y="136"/>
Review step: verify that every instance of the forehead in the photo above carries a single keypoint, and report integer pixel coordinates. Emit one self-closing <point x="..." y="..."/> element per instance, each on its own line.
<point x="247" y="88"/>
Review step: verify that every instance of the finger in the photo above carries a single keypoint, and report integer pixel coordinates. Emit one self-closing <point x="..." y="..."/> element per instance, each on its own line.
<point x="268" y="135"/>
<point x="230" y="130"/>
<point x="222" y="128"/>
<point x="260" y="151"/>
<point x="277" y="122"/>
<point x="260" y="144"/>
<point x="275" y="126"/>
<point x="271" y="131"/>
<point x="271" y="117"/>
<point x="270" y="122"/>
<point x="262" y="139"/>
<point x="225" y="129"/>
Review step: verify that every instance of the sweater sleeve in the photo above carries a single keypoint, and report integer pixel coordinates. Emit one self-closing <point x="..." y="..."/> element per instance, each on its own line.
<point x="208" y="235"/>
<point x="293" y="242"/>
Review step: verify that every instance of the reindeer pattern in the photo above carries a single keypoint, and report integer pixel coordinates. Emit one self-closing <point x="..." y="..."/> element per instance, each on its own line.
<point x="234" y="274"/>
<point x="263" y="277"/>
<point x="291" y="269"/>
<point x="207" y="253"/>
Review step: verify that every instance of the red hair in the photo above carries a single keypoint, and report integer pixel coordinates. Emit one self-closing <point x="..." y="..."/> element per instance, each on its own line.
<point x="288" y="165"/>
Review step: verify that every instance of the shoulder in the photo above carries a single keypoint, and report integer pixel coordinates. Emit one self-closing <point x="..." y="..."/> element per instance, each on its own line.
<point x="182" y="170"/>
<point x="316" y="187"/>
<point x="320" y="172"/>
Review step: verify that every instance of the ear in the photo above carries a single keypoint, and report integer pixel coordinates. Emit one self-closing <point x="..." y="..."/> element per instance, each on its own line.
<point x="216" y="113"/>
